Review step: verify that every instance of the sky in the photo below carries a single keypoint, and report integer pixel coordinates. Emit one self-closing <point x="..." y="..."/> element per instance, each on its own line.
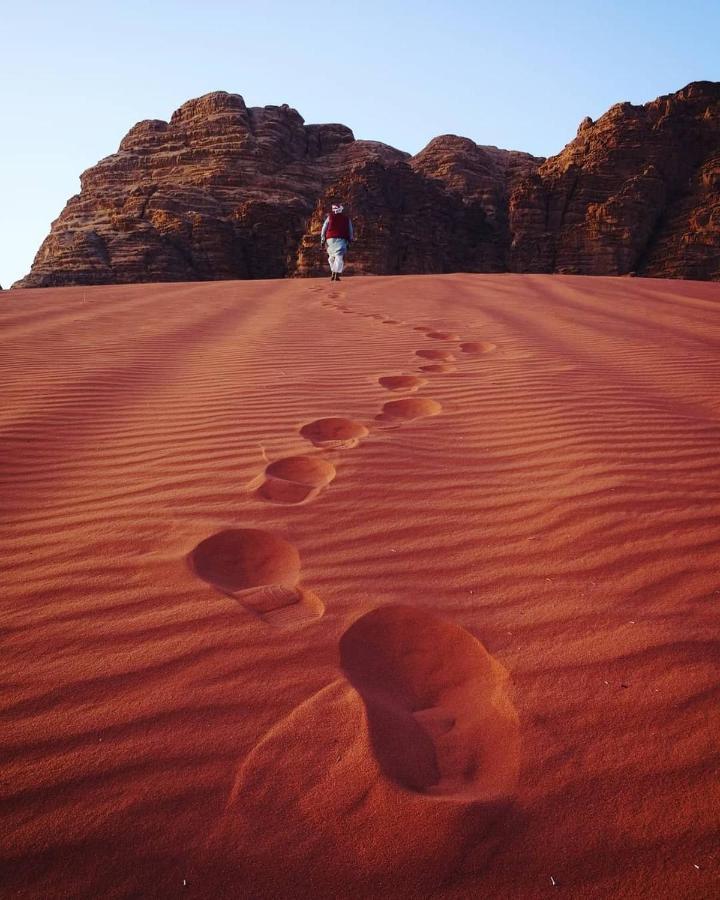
<point x="75" y="76"/>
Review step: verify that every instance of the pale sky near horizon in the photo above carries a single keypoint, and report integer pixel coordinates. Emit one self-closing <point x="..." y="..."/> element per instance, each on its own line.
<point x="75" y="76"/>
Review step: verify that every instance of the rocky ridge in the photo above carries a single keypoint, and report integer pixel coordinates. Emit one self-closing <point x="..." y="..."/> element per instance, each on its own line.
<point x="636" y="191"/>
<point x="224" y="191"/>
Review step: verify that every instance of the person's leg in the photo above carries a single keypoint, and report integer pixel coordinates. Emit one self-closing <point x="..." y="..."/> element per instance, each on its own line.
<point x="340" y="257"/>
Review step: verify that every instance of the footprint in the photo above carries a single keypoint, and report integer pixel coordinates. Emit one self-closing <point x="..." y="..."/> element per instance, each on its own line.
<point x="440" y="719"/>
<point x="334" y="432"/>
<point x="442" y="355"/>
<point x="442" y="336"/>
<point x="438" y="367"/>
<point x="420" y="732"/>
<point x="296" y="479"/>
<point x="390" y="322"/>
<point x="261" y="571"/>
<point x="478" y="347"/>
<point x="401" y="382"/>
<point x="422" y="328"/>
<point x="407" y="410"/>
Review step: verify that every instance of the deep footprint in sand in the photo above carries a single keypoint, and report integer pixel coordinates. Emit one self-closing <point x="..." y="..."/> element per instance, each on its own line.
<point x="407" y="383"/>
<point x="439" y="355"/>
<point x="442" y="336"/>
<point x="440" y="719"/>
<point x="397" y="411"/>
<point x="419" y="733"/>
<point x="438" y="368"/>
<point x="261" y="571"/>
<point x="296" y="479"/>
<point x="334" y="432"/>
<point x="476" y="347"/>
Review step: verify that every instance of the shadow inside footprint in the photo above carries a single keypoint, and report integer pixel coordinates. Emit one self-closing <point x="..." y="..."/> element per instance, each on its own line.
<point x="442" y="336"/>
<point x="375" y="785"/>
<point x="334" y="432"/>
<point x="296" y="479"/>
<point x="442" y="355"/>
<point x="478" y="347"/>
<point x="439" y="716"/>
<point x="260" y="570"/>
<point x="406" y="410"/>
<point x="438" y="367"/>
<point x="401" y="382"/>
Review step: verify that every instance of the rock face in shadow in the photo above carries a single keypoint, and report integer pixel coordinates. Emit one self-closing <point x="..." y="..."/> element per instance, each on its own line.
<point x="406" y="224"/>
<point x="226" y="191"/>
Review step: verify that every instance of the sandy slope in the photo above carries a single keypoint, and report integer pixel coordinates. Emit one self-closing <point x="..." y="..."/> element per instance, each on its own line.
<point x="520" y="473"/>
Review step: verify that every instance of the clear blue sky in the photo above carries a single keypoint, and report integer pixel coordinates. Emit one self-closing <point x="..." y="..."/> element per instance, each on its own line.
<point x="76" y="75"/>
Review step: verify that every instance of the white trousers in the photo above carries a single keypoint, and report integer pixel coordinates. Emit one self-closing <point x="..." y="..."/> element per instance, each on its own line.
<point x="336" y="249"/>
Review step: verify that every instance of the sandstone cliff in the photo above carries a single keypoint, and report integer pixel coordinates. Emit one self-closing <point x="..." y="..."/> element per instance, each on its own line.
<point x="223" y="190"/>
<point x="227" y="191"/>
<point x="638" y="190"/>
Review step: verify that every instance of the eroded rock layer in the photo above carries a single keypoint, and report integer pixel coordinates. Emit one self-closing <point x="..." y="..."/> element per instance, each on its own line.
<point x="636" y="191"/>
<point x="224" y="191"/>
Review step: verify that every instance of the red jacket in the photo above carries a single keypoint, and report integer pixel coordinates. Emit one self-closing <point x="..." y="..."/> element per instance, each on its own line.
<point x="338" y="226"/>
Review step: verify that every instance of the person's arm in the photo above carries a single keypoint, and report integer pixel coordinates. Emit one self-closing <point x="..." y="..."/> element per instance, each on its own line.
<point x="350" y="230"/>
<point x="324" y="229"/>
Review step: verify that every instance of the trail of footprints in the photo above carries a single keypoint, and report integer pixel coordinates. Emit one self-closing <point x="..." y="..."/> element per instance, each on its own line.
<point x="460" y="741"/>
<point x="261" y="570"/>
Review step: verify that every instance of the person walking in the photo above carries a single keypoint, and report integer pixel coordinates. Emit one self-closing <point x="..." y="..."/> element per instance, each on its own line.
<point x="337" y="233"/>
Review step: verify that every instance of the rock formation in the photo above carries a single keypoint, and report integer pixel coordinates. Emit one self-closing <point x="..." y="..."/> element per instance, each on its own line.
<point x="638" y="190"/>
<point x="227" y="191"/>
<point x="405" y="223"/>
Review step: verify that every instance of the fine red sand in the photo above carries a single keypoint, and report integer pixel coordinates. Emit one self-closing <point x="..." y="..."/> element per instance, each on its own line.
<point x="400" y="587"/>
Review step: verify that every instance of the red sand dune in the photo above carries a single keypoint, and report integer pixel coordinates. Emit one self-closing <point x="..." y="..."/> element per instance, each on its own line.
<point x="269" y="632"/>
